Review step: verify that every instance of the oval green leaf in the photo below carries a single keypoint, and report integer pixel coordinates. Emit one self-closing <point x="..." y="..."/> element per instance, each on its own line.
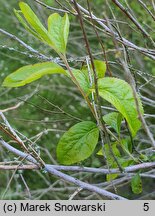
<point x="114" y="120"/>
<point x="58" y="27"/>
<point x="25" y="24"/>
<point x="120" y="95"/>
<point x="78" y="143"/>
<point x="136" y="184"/>
<point x="34" y="21"/>
<point x="82" y="78"/>
<point x="58" y="30"/>
<point x="100" y="67"/>
<point x="30" y="73"/>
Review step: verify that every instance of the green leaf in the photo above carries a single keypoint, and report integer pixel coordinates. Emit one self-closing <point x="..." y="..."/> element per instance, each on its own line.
<point x="136" y="184"/>
<point x="151" y="156"/>
<point x="110" y="159"/>
<point x="30" y="73"/>
<point x="24" y="23"/>
<point x="82" y="76"/>
<point x="110" y="177"/>
<point x="58" y="29"/>
<point x="78" y="143"/>
<point x="144" y="158"/>
<point x="120" y="95"/>
<point x="114" y="120"/>
<point x="100" y="67"/>
<point x="82" y="79"/>
<point x="125" y="162"/>
<point x="107" y="152"/>
<point x="34" y="22"/>
<point x="127" y="144"/>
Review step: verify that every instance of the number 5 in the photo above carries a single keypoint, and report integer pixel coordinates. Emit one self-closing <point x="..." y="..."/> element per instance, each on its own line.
<point x="146" y="207"/>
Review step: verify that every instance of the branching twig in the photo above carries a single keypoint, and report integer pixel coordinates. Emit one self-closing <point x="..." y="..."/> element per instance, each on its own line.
<point x="16" y="137"/>
<point x="147" y="9"/>
<point x="129" y="15"/>
<point x="12" y="108"/>
<point x="147" y="52"/>
<point x="39" y="55"/>
<point x="133" y="168"/>
<point x="51" y="8"/>
<point x="59" y="174"/>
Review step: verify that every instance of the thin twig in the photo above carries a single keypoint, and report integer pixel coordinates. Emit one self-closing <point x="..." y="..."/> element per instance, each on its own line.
<point x="147" y="52"/>
<point x="132" y="168"/>
<point x="26" y="186"/>
<point x="129" y="15"/>
<point x="16" y="137"/>
<point x="51" y="8"/>
<point x="100" y="41"/>
<point x="12" y="108"/>
<point x="66" y="177"/>
<point x="40" y="55"/>
<point x="147" y="9"/>
<point x="75" y="193"/>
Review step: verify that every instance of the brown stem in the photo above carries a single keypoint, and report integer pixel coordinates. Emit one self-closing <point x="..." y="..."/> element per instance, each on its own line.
<point x="13" y="137"/>
<point x="99" y="39"/>
<point x="78" y="85"/>
<point x="136" y="23"/>
<point x="101" y="124"/>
